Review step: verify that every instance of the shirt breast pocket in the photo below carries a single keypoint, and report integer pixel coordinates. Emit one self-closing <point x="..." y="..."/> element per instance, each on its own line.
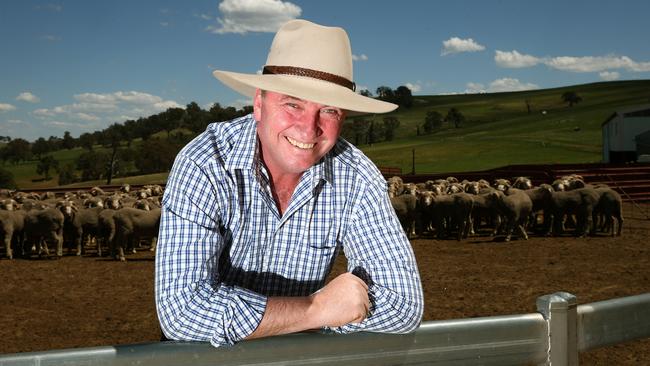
<point x="321" y="235"/>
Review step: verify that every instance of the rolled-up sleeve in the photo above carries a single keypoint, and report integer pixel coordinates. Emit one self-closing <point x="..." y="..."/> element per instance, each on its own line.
<point x="191" y="301"/>
<point x="375" y="244"/>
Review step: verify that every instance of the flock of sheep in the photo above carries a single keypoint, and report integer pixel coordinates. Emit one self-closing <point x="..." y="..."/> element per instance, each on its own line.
<point x="120" y="220"/>
<point x="447" y="207"/>
<point x="117" y="221"/>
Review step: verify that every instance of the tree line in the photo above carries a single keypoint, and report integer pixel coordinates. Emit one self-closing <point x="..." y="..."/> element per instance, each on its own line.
<point x="161" y="136"/>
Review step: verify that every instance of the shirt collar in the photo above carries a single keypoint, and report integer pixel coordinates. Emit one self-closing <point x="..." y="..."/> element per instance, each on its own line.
<point x="244" y="147"/>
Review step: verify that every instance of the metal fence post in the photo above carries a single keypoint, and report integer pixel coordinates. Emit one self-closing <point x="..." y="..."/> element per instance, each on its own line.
<point x="560" y="311"/>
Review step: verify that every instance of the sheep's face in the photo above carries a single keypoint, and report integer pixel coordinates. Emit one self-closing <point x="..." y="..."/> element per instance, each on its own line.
<point x="8" y="204"/>
<point x="67" y="208"/>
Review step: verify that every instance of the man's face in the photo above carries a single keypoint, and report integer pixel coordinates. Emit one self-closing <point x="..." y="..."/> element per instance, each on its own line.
<point x="294" y="133"/>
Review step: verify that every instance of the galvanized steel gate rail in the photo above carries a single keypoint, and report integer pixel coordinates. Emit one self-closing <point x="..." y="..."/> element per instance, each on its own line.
<point x="554" y="335"/>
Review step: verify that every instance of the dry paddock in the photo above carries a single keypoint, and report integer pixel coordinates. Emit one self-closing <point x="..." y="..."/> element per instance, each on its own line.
<point x="90" y="301"/>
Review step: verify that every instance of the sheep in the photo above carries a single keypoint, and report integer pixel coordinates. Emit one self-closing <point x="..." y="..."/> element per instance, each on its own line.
<point x="42" y="226"/>
<point x="155" y="189"/>
<point x="482" y="211"/>
<point x="94" y="201"/>
<point x="12" y="224"/>
<point x="501" y="184"/>
<point x="8" y="204"/>
<point x="578" y="201"/>
<point x="80" y="224"/>
<point x="609" y="207"/>
<point x="395" y="186"/>
<point x="516" y="209"/>
<point x="113" y="202"/>
<point x="540" y="197"/>
<point x="96" y="191"/>
<point x="453" y="212"/>
<point x="125" y="188"/>
<point x="405" y="207"/>
<point x="132" y="224"/>
<point x="522" y="183"/>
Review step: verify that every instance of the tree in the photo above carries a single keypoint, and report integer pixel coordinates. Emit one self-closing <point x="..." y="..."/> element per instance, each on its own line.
<point x="67" y="174"/>
<point x="571" y="97"/>
<point x="87" y="140"/>
<point x="41" y="147"/>
<point x="390" y="125"/>
<point x="156" y="155"/>
<point x="56" y="143"/>
<point x="403" y="97"/>
<point x="454" y="116"/>
<point x="385" y="93"/>
<point x="171" y="119"/>
<point x="44" y="165"/>
<point x="432" y="121"/>
<point x="68" y="141"/>
<point x="360" y="127"/>
<point x="18" y="150"/>
<point x="7" y="179"/>
<point x="195" y="118"/>
<point x="365" y="93"/>
<point x="92" y="164"/>
<point x="375" y="133"/>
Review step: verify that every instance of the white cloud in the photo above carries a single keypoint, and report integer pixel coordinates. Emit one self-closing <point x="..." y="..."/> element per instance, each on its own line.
<point x="51" y="38"/>
<point x="92" y="111"/>
<point x="28" y="97"/>
<point x="510" y="84"/>
<point x="164" y="24"/>
<point x="474" y="88"/>
<point x="16" y="122"/>
<point x="596" y="63"/>
<point x="52" y="7"/>
<point x="415" y="88"/>
<point x="514" y="59"/>
<point x="361" y="57"/>
<point x="204" y="16"/>
<point x="457" y="45"/>
<point x="4" y="107"/>
<point x="243" y="16"/>
<point x="240" y="103"/>
<point x="609" y="75"/>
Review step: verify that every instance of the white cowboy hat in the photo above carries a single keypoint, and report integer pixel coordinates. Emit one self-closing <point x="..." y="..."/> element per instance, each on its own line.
<point x="311" y="62"/>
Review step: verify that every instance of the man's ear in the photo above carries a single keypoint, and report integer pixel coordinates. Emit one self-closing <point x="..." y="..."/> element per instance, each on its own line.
<point x="257" y="105"/>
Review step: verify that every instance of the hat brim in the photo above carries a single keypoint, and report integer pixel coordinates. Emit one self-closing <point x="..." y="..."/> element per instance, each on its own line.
<point x="314" y="90"/>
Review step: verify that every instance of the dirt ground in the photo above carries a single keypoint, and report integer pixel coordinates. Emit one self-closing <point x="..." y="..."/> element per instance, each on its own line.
<point x="90" y="301"/>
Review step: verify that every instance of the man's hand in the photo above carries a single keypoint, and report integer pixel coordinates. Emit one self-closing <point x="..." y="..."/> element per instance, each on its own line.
<point x="344" y="300"/>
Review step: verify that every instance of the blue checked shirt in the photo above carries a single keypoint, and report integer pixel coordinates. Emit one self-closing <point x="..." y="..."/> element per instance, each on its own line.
<point x="223" y="246"/>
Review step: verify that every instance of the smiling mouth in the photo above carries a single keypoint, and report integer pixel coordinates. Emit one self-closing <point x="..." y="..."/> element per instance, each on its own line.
<point x="300" y="145"/>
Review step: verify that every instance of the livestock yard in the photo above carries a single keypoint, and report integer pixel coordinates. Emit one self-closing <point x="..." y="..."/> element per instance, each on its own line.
<point x="51" y="302"/>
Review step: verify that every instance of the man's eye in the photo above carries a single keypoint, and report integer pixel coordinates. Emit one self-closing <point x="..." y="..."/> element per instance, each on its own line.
<point x="292" y="105"/>
<point x="333" y="112"/>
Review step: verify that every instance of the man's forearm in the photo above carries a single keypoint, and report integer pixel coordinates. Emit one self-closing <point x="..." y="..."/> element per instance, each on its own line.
<point x="344" y="300"/>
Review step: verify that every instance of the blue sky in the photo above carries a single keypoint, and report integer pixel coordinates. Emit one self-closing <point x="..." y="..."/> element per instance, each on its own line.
<point x="80" y="66"/>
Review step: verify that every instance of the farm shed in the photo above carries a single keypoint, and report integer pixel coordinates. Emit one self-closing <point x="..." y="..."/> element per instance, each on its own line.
<point x="620" y="131"/>
<point x="643" y="143"/>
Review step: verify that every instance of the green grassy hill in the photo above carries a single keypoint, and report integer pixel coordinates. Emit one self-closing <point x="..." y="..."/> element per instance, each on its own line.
<point x="498" y="131"/>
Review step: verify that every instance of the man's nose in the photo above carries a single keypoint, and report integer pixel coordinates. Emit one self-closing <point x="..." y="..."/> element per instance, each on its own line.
<point x="311" y="124"/>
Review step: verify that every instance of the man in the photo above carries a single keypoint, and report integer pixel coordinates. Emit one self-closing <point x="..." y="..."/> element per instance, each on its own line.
<point x="256" y="210"/>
